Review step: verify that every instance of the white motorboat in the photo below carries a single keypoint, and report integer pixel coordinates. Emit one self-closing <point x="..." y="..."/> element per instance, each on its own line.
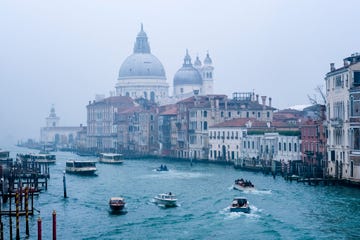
<point x="111" y="158"/>
<point x="166" y="199"/>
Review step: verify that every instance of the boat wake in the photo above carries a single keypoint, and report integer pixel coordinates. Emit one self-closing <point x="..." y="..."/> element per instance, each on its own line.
<point x="234" y="215"/>
<point x="173" y="174"/>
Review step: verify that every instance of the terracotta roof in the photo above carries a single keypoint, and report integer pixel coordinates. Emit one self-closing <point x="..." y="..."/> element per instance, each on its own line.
<point x="170" y="111"/>
<point x="242" y="122"/>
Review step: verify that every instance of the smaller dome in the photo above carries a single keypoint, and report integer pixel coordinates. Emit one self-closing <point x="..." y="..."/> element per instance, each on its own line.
<point x="187" y="74"/>
<point x="207" y="60"/>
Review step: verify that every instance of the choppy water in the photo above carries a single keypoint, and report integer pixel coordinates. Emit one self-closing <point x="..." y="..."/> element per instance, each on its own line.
<point x="279" y="209"/>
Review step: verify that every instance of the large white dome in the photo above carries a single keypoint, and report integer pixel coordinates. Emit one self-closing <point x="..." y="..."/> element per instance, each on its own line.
<point x="141" y="65"/>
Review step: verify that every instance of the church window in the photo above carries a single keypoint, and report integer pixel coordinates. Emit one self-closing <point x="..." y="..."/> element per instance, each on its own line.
<point x="205" y="113"/>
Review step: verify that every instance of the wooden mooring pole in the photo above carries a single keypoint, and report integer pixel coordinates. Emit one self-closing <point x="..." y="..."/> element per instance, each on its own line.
<point x="27" y="232"/>
<point x="17" y="199"/>
<point x="39" y="228"/>
<point x="64" y="183"/>
<point x="54" y="224"/>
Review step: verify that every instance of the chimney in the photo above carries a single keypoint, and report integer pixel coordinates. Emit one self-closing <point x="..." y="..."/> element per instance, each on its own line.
<point x="263" y="98"/>
<point x="270" y="101"/>
<point x="332" y="67"/>
<point x="346" y="63"/>
<point x="257" y="98"/>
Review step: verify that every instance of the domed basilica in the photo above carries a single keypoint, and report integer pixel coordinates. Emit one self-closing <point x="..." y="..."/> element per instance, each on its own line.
<point x="142" y="75"/>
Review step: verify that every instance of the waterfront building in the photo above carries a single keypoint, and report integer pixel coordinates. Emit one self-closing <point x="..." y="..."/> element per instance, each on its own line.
<point x="253" y="142"/>
<point x="195" y="114"/>
<point x="313" y="140"/>
<point x="137" y="129"/>
<point x="58" y="136"/>
<point x="167" y="130"/>
<point x="197" y="78"/>
<point x="142" y="75"/>
<point x="101" y="117"/>
<point x="342" y="98"/>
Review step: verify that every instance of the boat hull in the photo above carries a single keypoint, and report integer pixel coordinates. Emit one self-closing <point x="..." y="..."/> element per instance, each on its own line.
<point x="242" y="188"/>
<point x="166" y="203"/>
<point x="89" y="171"/>
<point x="240" y="209"/>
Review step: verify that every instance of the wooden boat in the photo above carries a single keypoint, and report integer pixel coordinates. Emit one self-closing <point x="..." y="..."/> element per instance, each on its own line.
<point x="166" y="199"/>
<point x="117" y="203"/>
<point x="240" y="204"/>
<point x="80" y="167"/>
<point x="111" y="158"/>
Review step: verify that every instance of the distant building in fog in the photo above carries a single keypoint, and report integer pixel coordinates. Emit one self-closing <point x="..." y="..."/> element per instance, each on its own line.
<point x="54" y="134"/>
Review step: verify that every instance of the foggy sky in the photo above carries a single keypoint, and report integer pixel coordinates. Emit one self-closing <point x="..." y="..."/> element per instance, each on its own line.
<point x="65" y="52"/>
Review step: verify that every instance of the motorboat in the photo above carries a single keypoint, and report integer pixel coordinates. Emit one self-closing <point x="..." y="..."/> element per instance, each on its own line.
<point x="240" y="204"/>
<point x="162" y="168"/>
<point x="117" y="203"/>
<point x="111" y="158"/>
<point x="5" y="156"/>
<point x="80" y="167"/>
<point x="166" y="199"/>
<point x="241" y="184"/>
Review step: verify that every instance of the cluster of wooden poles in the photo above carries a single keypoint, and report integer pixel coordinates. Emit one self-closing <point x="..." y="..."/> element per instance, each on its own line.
<point x="20" y="211"/>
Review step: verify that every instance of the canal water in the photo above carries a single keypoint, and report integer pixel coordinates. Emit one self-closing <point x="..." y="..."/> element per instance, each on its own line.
<point x="279" y="209"/>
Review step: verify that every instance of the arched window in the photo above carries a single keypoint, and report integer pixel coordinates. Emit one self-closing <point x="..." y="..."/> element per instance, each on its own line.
<point x="152" y="96"/>
<point x="205" y="125"/>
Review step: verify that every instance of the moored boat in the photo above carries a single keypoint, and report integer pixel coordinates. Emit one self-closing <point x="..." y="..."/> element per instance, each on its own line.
<point x="5" y="156"/>
<point x="80" y="167"/>
<point x="42" y="157"/>
<point x="241" y="184"/>
<point x="117" y="203"/>
<point x="166" y="199"/>
<point x="111" y="158"/>
<point x="240" y="204"/>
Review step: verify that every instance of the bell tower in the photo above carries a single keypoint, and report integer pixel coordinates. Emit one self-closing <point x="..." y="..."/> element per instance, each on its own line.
<point x="52" y="120"/>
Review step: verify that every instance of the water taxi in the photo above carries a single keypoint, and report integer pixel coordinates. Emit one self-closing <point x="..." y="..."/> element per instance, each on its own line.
<point x="111" y="158"/>
<point x="117" y="203"/>
<point x="42" y="157"/>
<point x="80" y="167"/>
<point x="240" y="204"/>
<point x="166" y="199"/>
<point x="5" y="156"/>
<point x="241" y="184"/>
